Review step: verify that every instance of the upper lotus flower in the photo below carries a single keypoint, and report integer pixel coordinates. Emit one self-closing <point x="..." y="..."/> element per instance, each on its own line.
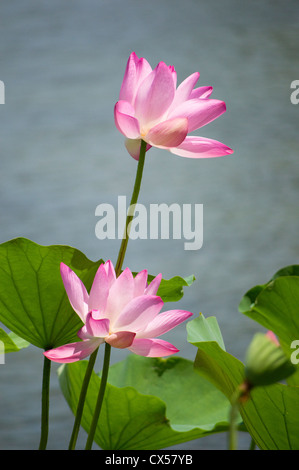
<point x="122" y="311"/>
<point x="152" y="109"/>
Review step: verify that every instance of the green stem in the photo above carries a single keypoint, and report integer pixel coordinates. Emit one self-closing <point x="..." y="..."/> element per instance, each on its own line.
<point x="118" y="266"/>
<point x="45" y="404"/>
<point x="121" y="256"/>
<point x="252" y="445"/>
<point x="130" y="214"/>
<point x="100" y="398"/>
<point x="81" y="401"/>
<point x="233" y="426"/>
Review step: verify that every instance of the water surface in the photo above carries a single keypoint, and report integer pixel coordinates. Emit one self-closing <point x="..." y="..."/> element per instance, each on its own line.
<point x="62" y="64"/>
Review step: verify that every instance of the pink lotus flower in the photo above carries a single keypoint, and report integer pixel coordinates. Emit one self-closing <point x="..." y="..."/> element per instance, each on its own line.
<point x="152" y="109"/>
<point x="122" y="311"/>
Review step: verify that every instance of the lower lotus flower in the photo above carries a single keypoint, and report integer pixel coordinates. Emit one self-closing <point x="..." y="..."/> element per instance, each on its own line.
<point x="123" y="311"/>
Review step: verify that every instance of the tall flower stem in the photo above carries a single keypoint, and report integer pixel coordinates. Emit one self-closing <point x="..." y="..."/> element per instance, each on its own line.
<point x="100" y="398"/>
<point x="118" y="267"/>
<point x="45" y="404"/>
<point x="119" y="263"/>
<point x="81" y="401"/>
<point x="130" y="215"/>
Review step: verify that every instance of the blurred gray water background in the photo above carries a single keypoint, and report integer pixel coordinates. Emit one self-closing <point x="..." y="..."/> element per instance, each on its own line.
<point x="62" y="63"/>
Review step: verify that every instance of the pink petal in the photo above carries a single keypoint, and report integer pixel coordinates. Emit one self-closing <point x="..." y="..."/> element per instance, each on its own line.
<point x="152" y="348"/>
<point x="170" y="133"/>
<point x="138" y="313"/>
<point x="136" y="70"/>
<point x="184" y="90"/>
<point x="153" y="287"/>
<point x="94" y="327"/>
<point x="72" y="352"/>
<point x="143" y="69"/>
<point x="201" y="92"/>
<point x="174" y="75"/>
<point x="200" y="147"/>
<point x="140" y="282"/>
<point x="121" y="339"/>
<point x="99" y="290"/>
<point x="199" y="112"/>
<point x="125" y="121"/>
<point x="120" y="294"/>
<point x="164" y="322"/>
<point x="110" y="271"/>
<point x="133" y="147"/>
<point x="129" y="81"/>
<point x="75" y="290"/>
<point x="154" y="95"/>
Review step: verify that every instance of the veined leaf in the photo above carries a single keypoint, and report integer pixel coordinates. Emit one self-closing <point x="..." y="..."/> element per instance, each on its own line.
<point x="11" y="342"/>
<point x="275" y="305"/>
<point x="271" y="415"/>
<point x="150" y="403"/>
<point x="33" y="301"/>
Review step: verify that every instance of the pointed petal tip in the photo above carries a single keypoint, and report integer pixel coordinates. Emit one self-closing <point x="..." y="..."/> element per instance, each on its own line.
<point x="72" y="352"/>
<point x="125" y="121"/>
<point x="64" y="268"/>
<point x="153" y="287"/>
<point x="60" y="360"/>
<point x="109" y="268"/>
<point x="201" y="147"/>
<point x="163" y="323"/>
<point x="153" y="348"/>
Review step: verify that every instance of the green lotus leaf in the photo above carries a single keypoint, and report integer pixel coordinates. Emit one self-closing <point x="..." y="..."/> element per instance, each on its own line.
<point x="271" y="414"/>
<point x="150" y="403"/>
<point x="33" y="301"/>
